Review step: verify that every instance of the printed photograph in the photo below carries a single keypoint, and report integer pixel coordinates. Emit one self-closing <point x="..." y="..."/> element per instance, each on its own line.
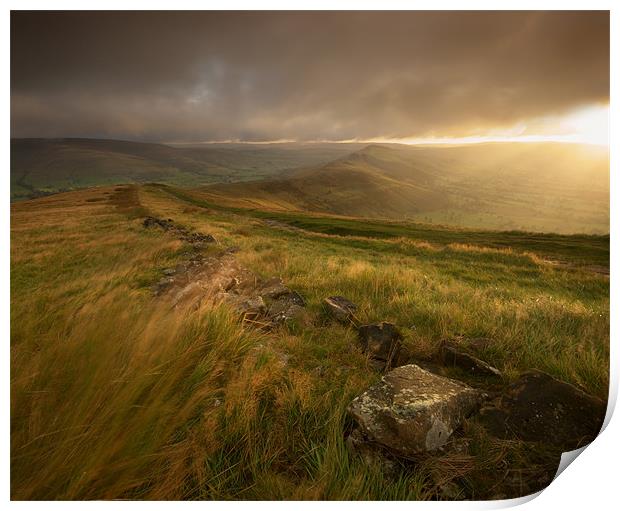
<point x="306" y="255"/>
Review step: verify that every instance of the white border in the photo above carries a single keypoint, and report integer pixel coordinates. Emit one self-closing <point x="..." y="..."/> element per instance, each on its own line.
<point x="589" y="483"/>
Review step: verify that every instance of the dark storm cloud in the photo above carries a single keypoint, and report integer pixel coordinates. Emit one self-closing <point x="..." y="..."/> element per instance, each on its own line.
<point x="256" y="76"/>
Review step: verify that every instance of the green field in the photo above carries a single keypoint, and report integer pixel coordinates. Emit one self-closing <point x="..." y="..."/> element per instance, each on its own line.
<point x="44" y="166"/>
<point x="116" y="394"/>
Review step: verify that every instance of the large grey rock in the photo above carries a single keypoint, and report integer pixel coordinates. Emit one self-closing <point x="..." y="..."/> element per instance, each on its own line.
<point x="541" y="408"/>
<point x="340" y="308"/>
<point x="381" y="341"/>
<point x="412" y="411"/>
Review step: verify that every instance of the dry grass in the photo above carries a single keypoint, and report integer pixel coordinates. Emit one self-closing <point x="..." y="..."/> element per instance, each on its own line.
<point x="115" y="395"/>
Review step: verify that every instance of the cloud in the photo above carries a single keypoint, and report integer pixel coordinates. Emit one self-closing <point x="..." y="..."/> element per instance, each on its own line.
<point x="300" y="75"/>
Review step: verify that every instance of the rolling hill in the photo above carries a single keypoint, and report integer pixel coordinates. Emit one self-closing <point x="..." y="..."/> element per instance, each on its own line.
<point x="536" y="186"/>
<point x="43" y="166"/>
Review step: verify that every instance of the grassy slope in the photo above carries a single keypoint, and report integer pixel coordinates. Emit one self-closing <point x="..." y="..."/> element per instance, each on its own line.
<point x="40" y="166"/>
<point x="543" y="187"/>
<point x="115" y="395"/>
<point x="577" y="249"/>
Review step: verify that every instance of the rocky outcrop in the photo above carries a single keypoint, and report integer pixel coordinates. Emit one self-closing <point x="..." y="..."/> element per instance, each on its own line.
<point x="381" y="342"/>
<point x="196" y="239"/>
<point x="340" y="308"/>
<point x="220" y="278"/>
<point x="412" y="411"/>
<point x="541" y="408"/>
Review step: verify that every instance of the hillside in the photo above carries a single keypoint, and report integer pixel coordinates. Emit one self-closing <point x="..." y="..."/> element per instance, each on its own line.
<point x="134" y="375"/>
<point x="42" y="166"/>
<point x="537" y="187"/>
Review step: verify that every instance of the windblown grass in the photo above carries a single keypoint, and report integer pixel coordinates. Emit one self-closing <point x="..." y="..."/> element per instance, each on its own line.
<point x="116" y="395"/>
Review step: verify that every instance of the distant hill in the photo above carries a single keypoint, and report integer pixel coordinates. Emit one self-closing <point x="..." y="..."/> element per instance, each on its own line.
<point x="527" y="186"/>
<point x="41" y="166"/>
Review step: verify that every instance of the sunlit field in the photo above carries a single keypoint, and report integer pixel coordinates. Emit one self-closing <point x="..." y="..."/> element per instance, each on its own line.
<point x="116" y="394"/>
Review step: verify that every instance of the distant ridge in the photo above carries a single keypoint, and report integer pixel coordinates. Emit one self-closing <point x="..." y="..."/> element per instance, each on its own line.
<point x="532" y="186"/>
<point x="40" y="166"/>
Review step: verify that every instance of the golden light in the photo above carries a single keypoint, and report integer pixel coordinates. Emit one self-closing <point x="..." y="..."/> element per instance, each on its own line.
<point x="589" y="125"/>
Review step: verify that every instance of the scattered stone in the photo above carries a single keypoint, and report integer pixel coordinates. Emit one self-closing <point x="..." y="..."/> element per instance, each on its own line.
<point x="540" y="408"/>
<point x="194" y="238"/>
<point x="162" y="285"/>
<point x="282" y="311"/>
<point x="251" y="307"/>
<point x="151" y="221"/>
<point x="381" y="341"/>
<point x="412" y="411"/>
<point x="273" y="289"/>
<point x="192" y="291"/>
<point x="220" y="278"/>
<point x="452" y="356"/>
<point x="340" y="308"/>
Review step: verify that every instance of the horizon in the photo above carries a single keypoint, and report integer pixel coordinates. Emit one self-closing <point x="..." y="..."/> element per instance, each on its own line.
<point x="429" y="143"/>
<point x="415" y="77"/>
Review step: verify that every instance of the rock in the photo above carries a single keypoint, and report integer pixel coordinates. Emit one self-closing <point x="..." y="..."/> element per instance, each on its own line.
<point x="190" y="292"/>
<point x="281" y="312"/>
<point x="253" y="306"/>
<point x="283" y="304"/>
<point x="371" y="453"/>
<point x="163" y="285"/>
<point x="151" y="221"/>
<point x="538" y="407"/>
<point x="452" y="356"/>
<point x="340" y="308"/>
<point x="169" y="271"/>
<point x="197" y="237"/>
<point x="412" y="411"/>
<point x="381" y="341"/>
<point x="275" y="290"/>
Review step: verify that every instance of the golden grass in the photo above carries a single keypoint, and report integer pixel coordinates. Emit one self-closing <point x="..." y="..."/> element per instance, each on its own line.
<point x="116" y="395"/>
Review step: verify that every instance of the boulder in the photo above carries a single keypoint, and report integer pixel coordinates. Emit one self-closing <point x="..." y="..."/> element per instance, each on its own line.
<point x="412" y="411"/>
<point x="381" y="341"/>
<point x="340" y="308"/>
<point x="453" y="356"/>
<point x="540" y="408"/>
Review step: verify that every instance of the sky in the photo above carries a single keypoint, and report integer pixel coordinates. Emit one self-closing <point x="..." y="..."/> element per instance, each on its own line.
<point x="308" y="76"/>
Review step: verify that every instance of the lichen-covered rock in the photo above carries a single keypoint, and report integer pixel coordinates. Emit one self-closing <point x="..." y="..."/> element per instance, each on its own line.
<point x="412" y="411"/>
<point x="340" y="308"/>
<point x="381" y="341"/>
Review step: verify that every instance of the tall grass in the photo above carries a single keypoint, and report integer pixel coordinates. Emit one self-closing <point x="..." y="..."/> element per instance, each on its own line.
<point x="116" y="394"/>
